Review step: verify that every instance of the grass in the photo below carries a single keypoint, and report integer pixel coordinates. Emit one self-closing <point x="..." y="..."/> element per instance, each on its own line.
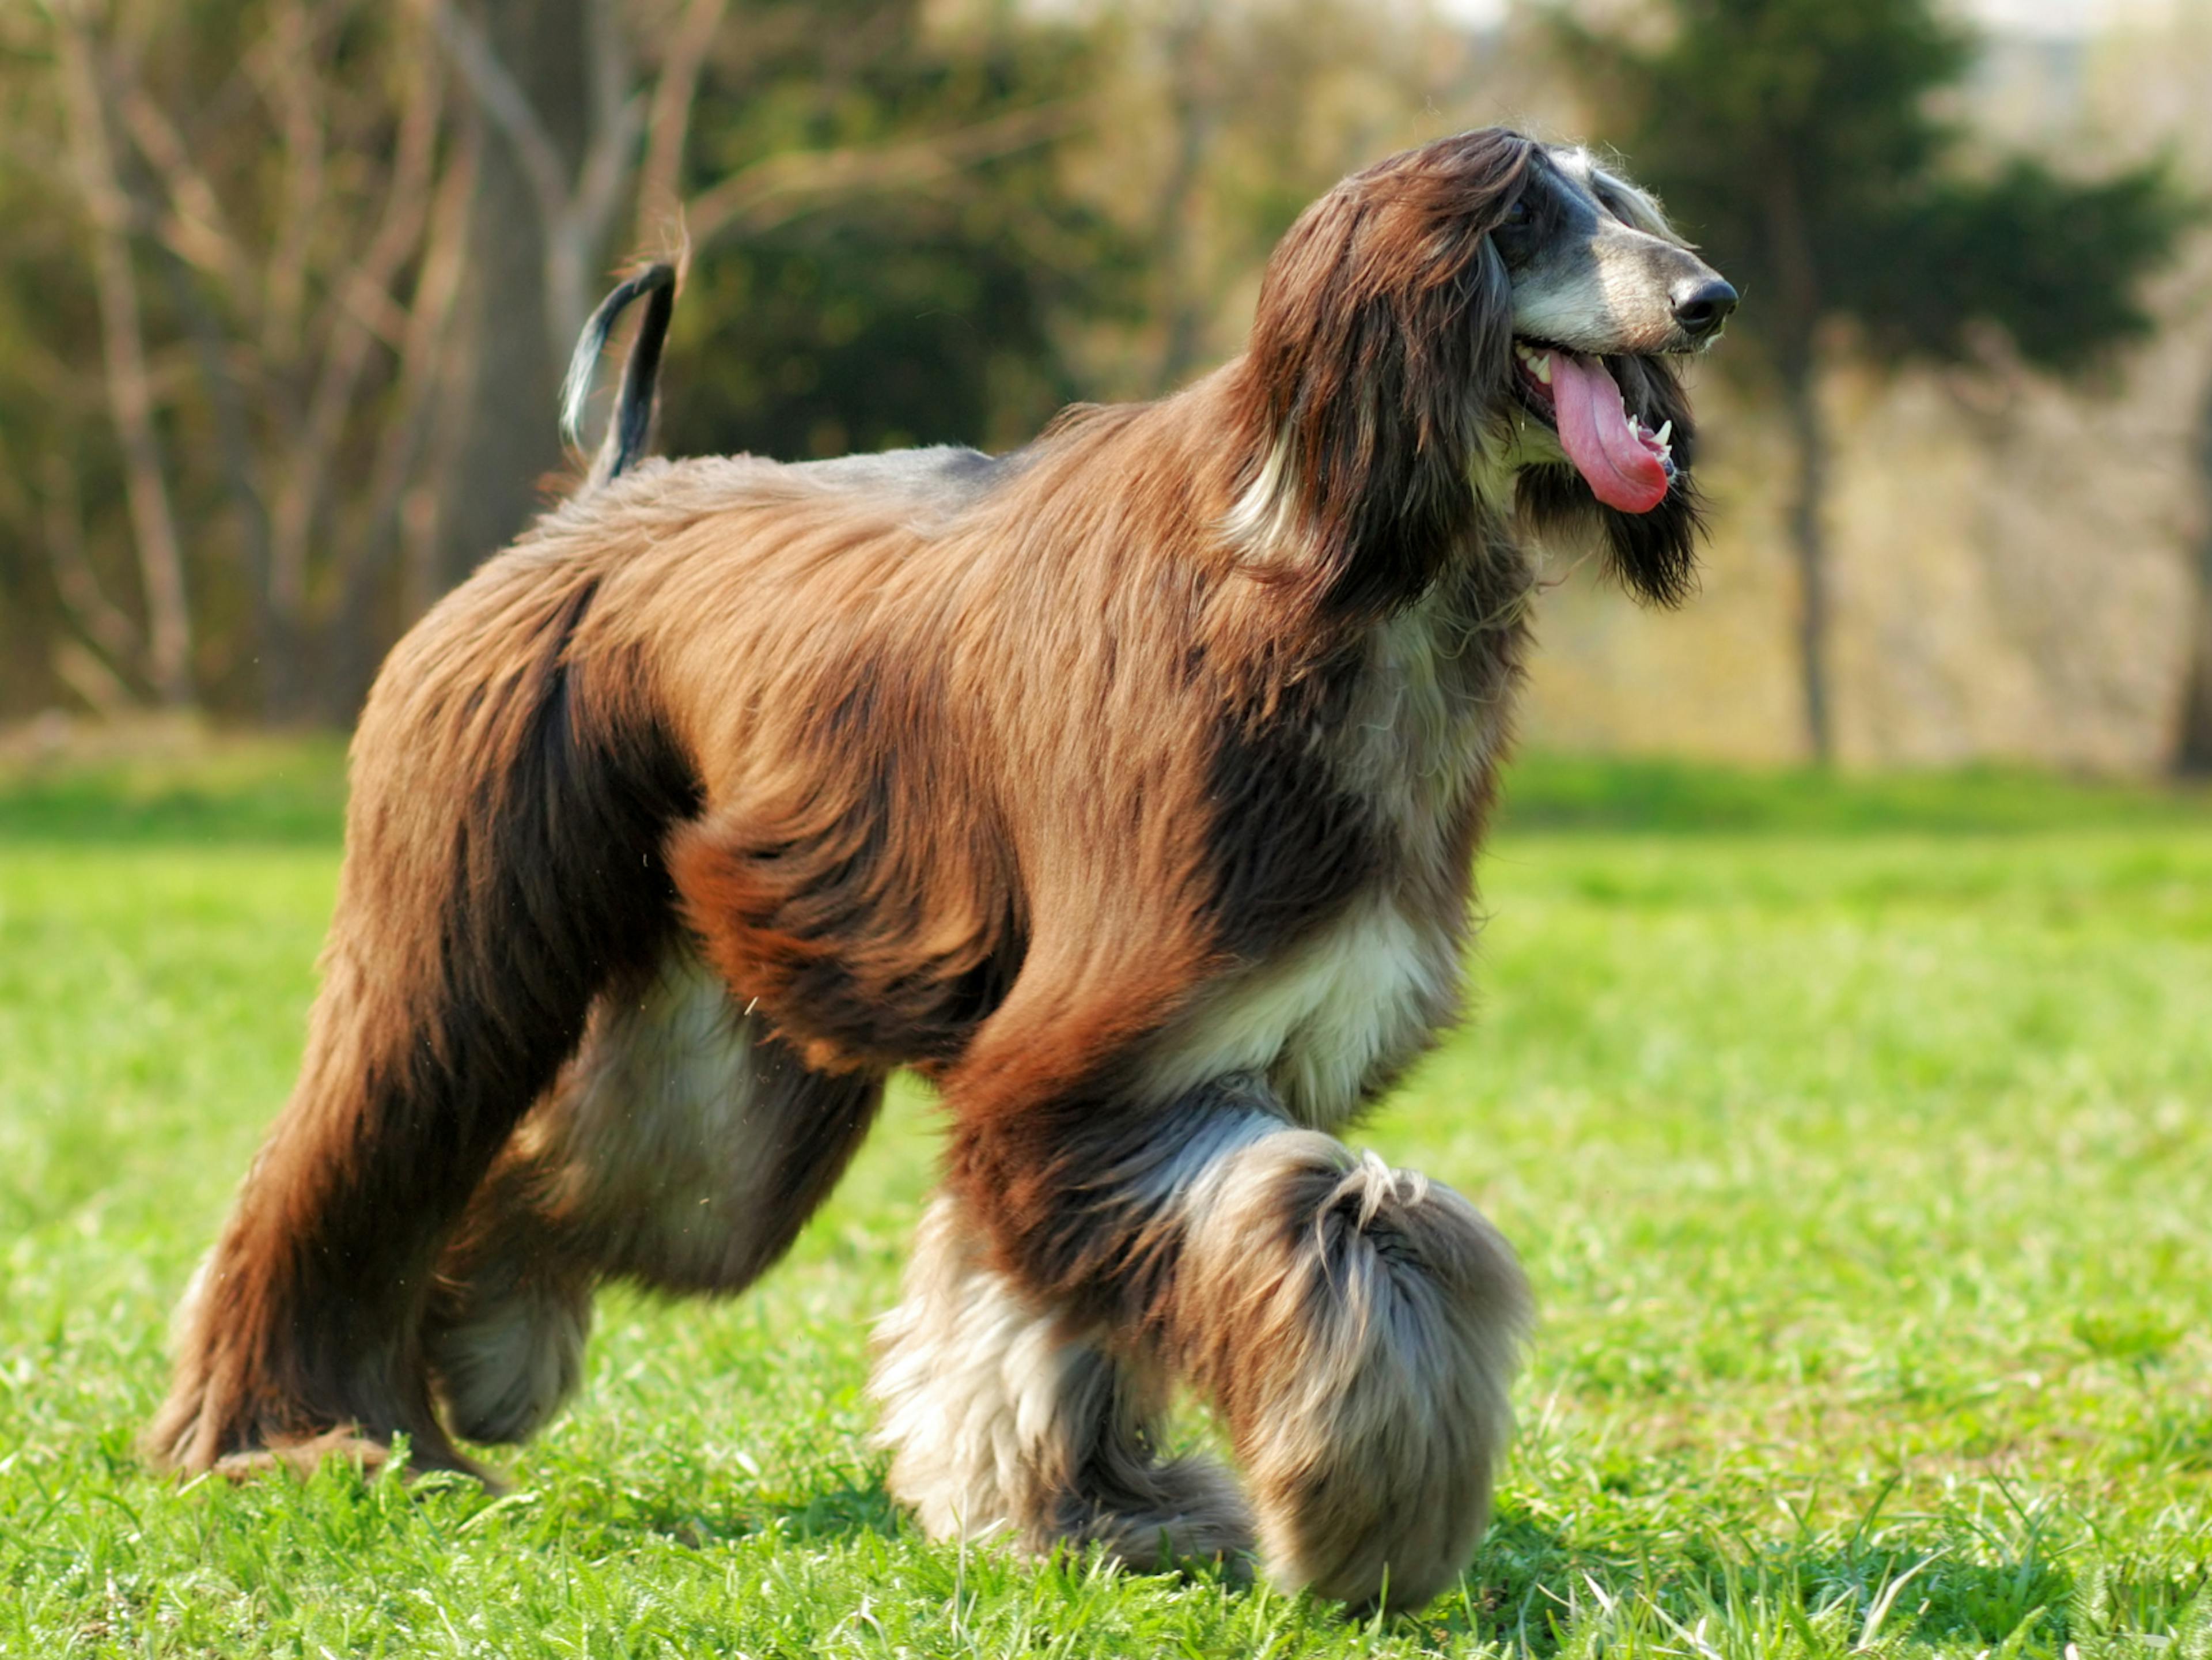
<point x="1857" y="1137"/>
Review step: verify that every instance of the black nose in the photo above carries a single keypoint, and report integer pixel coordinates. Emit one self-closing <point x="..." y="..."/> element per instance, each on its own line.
<point x="1702" y="305"/>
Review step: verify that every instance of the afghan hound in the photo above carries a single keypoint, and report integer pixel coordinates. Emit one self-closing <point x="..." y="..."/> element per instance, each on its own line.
<point x="1125" y="786"/>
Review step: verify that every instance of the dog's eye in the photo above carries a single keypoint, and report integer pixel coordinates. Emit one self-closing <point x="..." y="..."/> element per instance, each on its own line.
<point x="1516" y="216"/>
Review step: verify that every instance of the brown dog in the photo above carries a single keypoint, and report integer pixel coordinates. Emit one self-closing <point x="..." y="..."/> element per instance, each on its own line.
<point x="1126" y="786"/>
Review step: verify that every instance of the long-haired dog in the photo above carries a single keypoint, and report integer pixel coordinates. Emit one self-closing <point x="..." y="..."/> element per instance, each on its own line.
<point x="1125" y="786"/>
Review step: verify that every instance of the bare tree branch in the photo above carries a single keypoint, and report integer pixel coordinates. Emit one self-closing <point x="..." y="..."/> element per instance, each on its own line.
<point x="574" y="218"/>
<point x="283" y="67"/>
<point x="404" y="439"/>
<point x="103" y="622"/>
<point x="194" y="225"/>
<point x="80" y="670"/>
<point x="660" y="181"/>
<point x="574" y="245"/>
<point x="774" y="192"/>
<point x="505" y="102"/>
<point x="301" y="501"/>
<point x="161" y="558"/>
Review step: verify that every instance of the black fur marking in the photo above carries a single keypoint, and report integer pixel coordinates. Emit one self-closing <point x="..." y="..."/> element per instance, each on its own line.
<point x="631" y="425"/>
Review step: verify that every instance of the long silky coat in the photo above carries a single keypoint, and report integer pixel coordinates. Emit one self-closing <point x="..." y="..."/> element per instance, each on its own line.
<point x="1127" y="785"/>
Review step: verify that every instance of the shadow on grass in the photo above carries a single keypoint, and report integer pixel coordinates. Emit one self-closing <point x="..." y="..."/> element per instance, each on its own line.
<point x="1540" y="1591"/>
<point x="1536" y="1591"/>
<point x="847" y="1510"/>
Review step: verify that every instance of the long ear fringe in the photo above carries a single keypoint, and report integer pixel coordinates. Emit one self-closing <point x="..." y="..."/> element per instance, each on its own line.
<point x="1384" y="317"/>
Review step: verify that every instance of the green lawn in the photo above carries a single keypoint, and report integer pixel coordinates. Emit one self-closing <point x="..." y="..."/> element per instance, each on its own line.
<point x="1858" y="1138"/>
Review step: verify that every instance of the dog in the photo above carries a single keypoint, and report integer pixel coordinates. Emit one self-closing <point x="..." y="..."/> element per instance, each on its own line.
<point x="1126" y="786"/>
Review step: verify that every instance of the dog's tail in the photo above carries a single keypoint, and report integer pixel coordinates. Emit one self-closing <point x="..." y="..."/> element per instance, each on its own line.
<point x="631" y="424"/>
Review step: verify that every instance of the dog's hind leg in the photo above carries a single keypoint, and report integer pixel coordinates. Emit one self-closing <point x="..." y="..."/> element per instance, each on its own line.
<point x="508" y="804"/>
<point x="683" y="1149"/>
<point x="1005" y="1415"/>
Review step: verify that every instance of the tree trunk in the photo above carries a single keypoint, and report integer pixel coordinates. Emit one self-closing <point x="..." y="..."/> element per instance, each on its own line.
<point x="1809" y="538"/>
<point x="272" y="647"/>
<point x="1796" y="315"/>
<point x="2193" y="755"/>
<point x="1189" y="48"/>
<point x="506" y="434"/>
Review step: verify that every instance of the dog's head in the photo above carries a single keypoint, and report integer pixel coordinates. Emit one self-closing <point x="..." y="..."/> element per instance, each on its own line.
<point x="1488" y="307"/>
<point x="1606" y="299"/>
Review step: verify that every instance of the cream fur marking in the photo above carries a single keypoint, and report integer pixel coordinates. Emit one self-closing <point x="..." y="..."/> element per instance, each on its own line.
<point x="504" y="1373"/>
<point x="656" y="1131"/>
<point x="655" y="1155"/>
<point x="1359" y="1000"/>
<point x="1358" y="1328"/>
<point x="1263" y="519"/>
<point x="1426" y="724"/>
<point x="1610" y="295"/>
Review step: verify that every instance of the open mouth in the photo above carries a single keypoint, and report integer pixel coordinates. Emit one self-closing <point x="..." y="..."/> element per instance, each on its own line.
<point x="1626" y="465"/>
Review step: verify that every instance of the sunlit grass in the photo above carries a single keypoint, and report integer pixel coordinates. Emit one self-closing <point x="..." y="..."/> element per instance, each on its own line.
<point x="1861" y="1158"/>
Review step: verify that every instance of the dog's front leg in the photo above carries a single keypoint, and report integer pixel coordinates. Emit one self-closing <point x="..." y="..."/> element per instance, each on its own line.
<point x="1356" y="1326"/>
<point x="1008" y="1415"/>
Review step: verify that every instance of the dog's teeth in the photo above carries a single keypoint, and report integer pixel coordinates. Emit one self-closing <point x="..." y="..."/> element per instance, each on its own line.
<point x="1543" y="366"/>
<point x="1666" y="431"/>
<point x="1634" y="426"/>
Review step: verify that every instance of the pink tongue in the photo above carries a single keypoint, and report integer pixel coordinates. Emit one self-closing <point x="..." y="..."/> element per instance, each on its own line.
<point x="1619" y="470"/>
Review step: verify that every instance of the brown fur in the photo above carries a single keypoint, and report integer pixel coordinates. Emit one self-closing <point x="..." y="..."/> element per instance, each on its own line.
<point x="1126" y="786"/>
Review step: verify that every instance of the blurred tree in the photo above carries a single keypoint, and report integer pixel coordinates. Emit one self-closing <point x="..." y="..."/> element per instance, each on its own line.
<point x="1796" y="142"/>
<point x="291" y="283"/>
<point x="1229" y="119"/>
<point x="883" y="249"/>
<point x="252" y="183"/>
<point x="2193" y="755"/>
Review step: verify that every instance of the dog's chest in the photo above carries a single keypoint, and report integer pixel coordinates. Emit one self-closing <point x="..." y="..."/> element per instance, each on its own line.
<point x="1426" y="719"/>
<point x="1340" y="1009"/>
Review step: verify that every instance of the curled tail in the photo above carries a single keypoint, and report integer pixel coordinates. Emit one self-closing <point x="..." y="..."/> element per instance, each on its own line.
<point x="631" y="424"/>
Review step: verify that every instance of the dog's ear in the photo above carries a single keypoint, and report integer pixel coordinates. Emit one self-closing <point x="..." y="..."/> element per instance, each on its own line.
<point x="1384" y="331"/>
<point x="1654" y="554"/>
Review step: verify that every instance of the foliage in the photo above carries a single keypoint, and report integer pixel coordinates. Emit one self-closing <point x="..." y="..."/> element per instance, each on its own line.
<point x="1798" y="142"/>
<point x="893" y="317"/>
<point x="1859" y="1171"/>
<point x="299" y="210"/>
<point x="2056" y="265"/>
